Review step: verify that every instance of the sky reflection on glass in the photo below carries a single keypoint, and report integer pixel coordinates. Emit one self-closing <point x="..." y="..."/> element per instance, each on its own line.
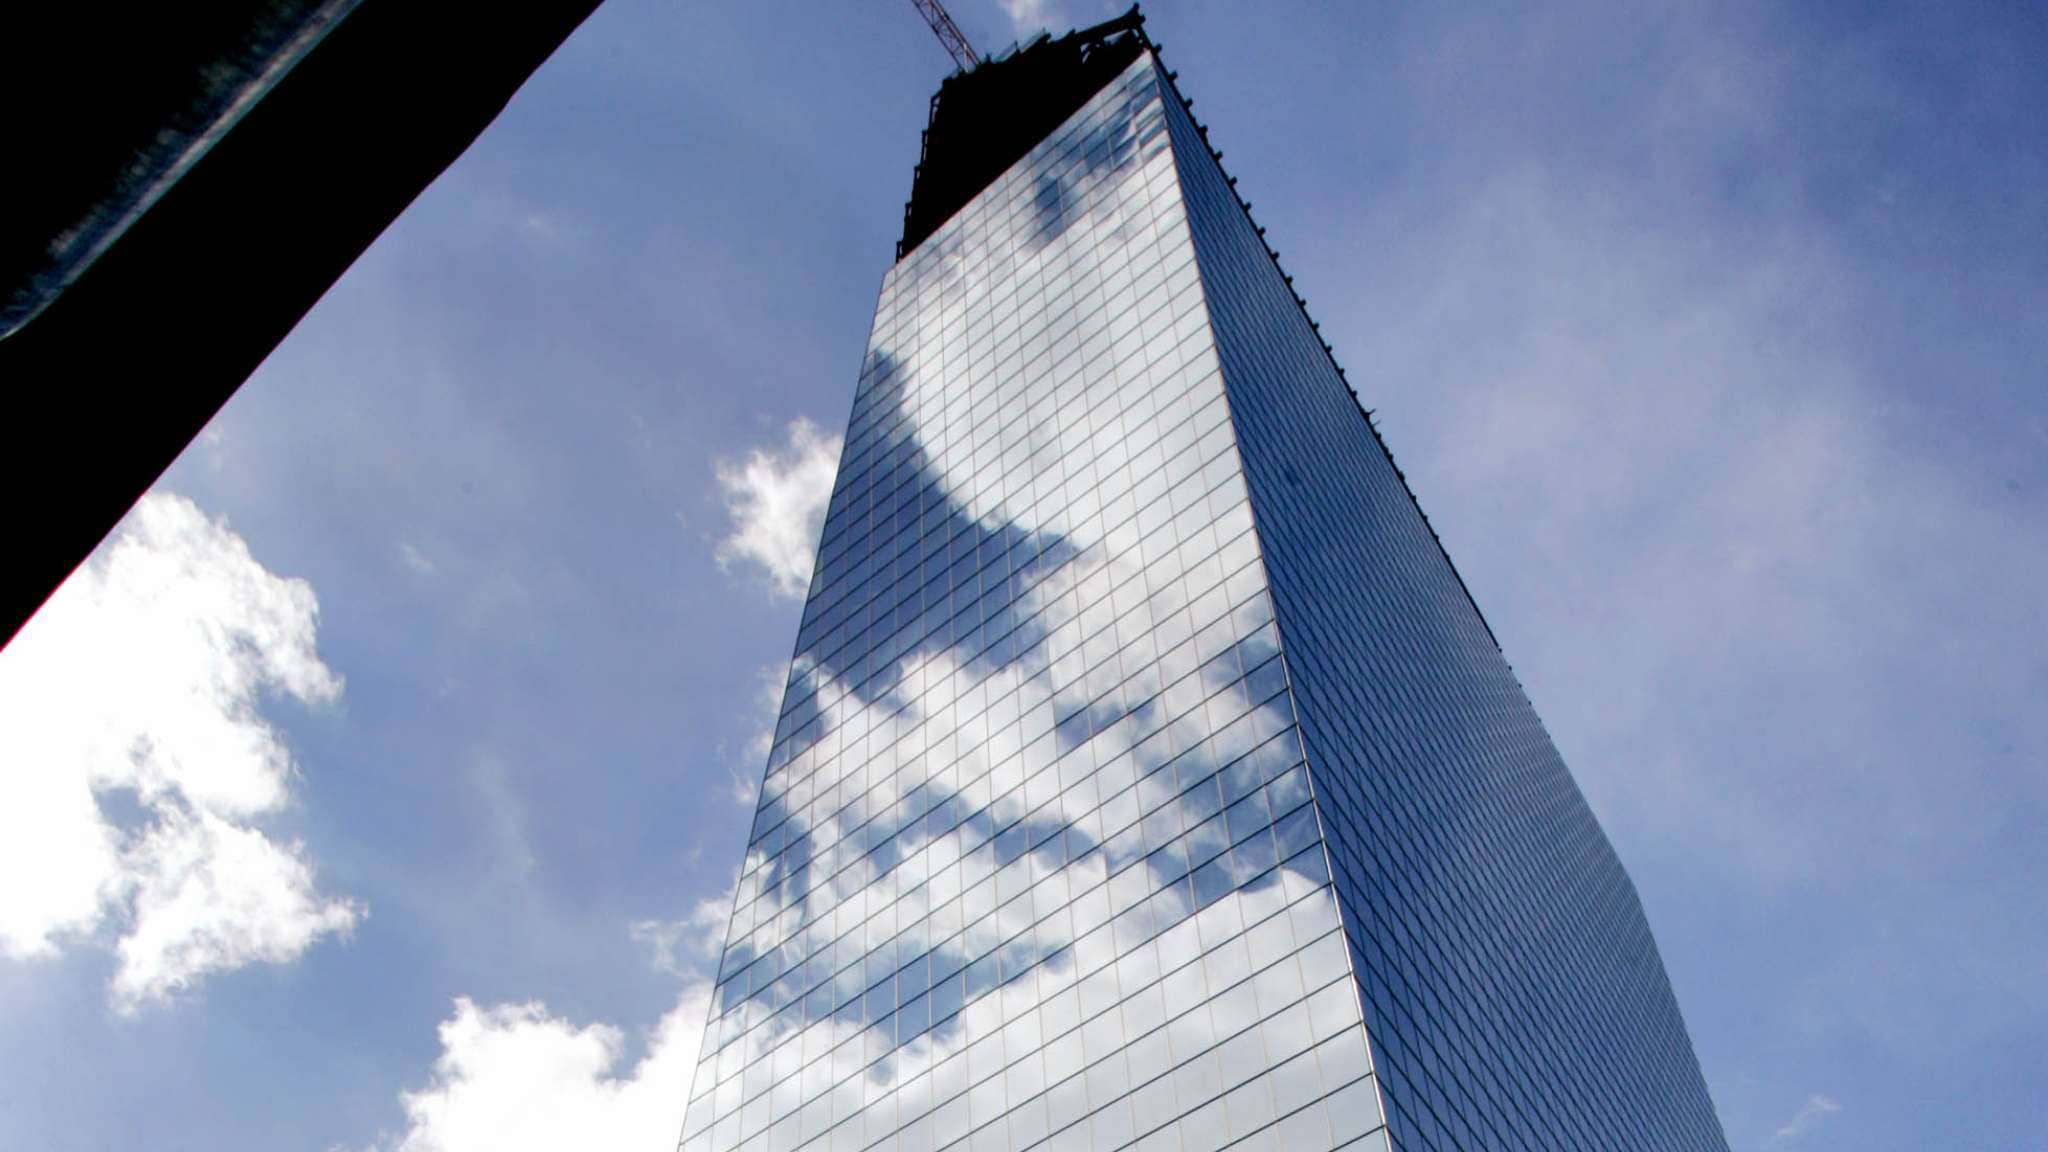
<point x="1035" y="863"/>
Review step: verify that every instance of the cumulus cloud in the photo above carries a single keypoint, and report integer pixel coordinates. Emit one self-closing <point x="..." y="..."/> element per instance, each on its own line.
<point x="211" y="895"/>
<point x="514" y="1078"/>
<point x="1810" y="1114"/>
<point x="142" y="681"/>
<point x="776" y="498"/>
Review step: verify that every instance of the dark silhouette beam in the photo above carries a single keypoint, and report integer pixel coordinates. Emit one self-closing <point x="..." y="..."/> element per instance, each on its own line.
<point x="121" y="369"/>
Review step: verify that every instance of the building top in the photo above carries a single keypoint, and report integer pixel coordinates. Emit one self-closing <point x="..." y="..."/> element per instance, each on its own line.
<point x="986" y="118"/>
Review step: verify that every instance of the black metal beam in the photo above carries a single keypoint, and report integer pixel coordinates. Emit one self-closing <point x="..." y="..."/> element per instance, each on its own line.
<point x="115" y="376"/>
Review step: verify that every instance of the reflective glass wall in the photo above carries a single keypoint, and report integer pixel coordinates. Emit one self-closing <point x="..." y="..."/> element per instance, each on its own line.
<point x="1514" y="996"/>
<point x="1036" y="862"/>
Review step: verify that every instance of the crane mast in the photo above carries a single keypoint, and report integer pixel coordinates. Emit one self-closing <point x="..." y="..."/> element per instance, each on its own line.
<point x="957" y="47"/>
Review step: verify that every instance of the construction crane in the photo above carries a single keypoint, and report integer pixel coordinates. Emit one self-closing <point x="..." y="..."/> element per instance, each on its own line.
<point x="957" y="47"/>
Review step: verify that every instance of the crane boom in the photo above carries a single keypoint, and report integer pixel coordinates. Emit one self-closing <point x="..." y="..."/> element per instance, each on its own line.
<point x="957" y="47"/>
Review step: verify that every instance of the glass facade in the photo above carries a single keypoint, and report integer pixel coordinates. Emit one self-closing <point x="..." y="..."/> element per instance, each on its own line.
<point x="1513" y="993"/>
<point x="1039" y="860"/>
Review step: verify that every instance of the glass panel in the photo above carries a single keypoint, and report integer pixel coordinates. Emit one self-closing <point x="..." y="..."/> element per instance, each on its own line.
<point x="1035" y="668"/>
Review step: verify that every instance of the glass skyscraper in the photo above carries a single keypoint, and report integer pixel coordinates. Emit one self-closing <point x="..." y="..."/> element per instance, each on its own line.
<point x="1146" y="777"/>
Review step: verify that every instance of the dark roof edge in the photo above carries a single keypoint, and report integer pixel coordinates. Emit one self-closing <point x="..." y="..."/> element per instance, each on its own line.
<point x="986" y="118"/>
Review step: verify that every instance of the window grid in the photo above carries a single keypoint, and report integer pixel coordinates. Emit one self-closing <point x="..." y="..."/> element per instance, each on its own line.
<point x="1513" y="993"/>
<point x="1037" y="774"/>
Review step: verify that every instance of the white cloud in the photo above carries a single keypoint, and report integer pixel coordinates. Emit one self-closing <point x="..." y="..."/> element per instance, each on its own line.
<point x="213" y="896"/>
<point x="514" y="1078"/>
<point x="416" y="560"/>
<point x="744" y="790"/>
<point x="776" y="501"/>
<point x="687" y="945"/>
<point x="501" y="815"/>
<point x="142" y="677"/>
<point x="769" y="682"/>
<point x="1029" y="17"/>
<point x="743" y="768"/>
<point x="1810" y="1114"/>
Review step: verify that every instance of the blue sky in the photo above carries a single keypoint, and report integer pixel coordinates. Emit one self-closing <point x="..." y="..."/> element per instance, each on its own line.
<point x="1710" y="339"/>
